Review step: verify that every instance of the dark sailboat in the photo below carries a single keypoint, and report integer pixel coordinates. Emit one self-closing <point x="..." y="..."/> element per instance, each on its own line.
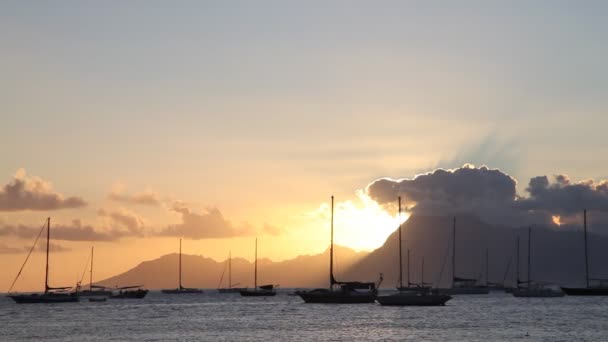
<point x="230" y="288"/>
<point x="600" y="288"/>
<point x="340" y="292"/>
<point x="130" y="292"/>
<point x="94" y="290"/>
<point x="411" y="296"/>
<point x="258" y="291"/>
<point x="181" y="289"/>
<point x="534" y="289"/>
<point x="461" y="286"/>
<point x="50" y="294"/>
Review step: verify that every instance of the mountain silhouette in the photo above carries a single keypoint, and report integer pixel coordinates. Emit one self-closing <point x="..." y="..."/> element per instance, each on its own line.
<point x="202" y="272"/>
<point x="557" y="255"/>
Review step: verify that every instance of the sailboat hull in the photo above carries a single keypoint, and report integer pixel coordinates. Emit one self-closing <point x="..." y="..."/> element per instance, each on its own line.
<point x="182" y="291"/>
<point x="335" y="297"/>
<point x="94" y="293"/>
<point x="584" y="291"/>
<point x="258" y="293"/>
<point x="138" y="294"/>
<point x="37" y="298"/>
<point x="413" y="299"/>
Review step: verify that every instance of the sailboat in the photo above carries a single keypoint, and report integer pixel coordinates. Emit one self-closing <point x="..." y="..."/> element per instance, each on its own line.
<point x="130" y="292"/>
<point x="181" y="289"/>
<point x="340" y="292"/>
<point x="601" y="287"/>
<point x="50" y="294"/>
<point x="258" y="291"/>
<point x="460" y="285"/>
<point x="534" y="289"/>
<point x="230" y="288"/>
<point x="94" y="290"/>
<point x="411" y="296"/>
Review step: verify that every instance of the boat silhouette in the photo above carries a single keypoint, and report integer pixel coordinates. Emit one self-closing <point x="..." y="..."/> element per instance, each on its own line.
<point x="600" y="286"/>
<point x="460" y="285"/>
<point x="230" y="288"/>
<point x="534" y="289"/>
<point x="411" y="295"/>
<point x="180" y="289"/>
<point x="258" y="291"/>
<point x="340" y="292"/>
<point x="94" y="290"/>
<point x="50" y="294"/>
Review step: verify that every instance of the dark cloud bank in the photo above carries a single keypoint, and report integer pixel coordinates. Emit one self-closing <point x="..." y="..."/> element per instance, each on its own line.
<point x="491" y="195"/>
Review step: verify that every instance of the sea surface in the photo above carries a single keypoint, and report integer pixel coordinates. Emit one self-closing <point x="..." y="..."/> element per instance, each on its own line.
<point x="229" y="317"/>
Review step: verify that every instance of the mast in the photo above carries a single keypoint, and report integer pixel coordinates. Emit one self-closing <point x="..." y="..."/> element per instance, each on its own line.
<point x="400" y="256"/>
<point x="487" y="267"/>
<point x="180" y="264"/>
<point x="517" y="262"/>
<point x="91" y="272"/>
<point x="229" y="269"/>
<point x="586" y="255"/>
<point x="332" y="280"/>
<point x="529" y="249"/>
<point x="422" y="273"/>
<point x="255" y="271"/>
<point x="48" y="237"/>
<point x="454" y="251"/>
<point x="408" y="268"/>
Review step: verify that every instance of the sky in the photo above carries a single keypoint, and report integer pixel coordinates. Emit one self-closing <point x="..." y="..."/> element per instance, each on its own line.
<point x="141" y="122"/>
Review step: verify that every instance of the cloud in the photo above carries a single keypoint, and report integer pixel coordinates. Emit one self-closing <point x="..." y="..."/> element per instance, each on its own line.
<point x="33" y="193"/>
<point x="75" y="231"/>
<point x="53" y="247"/>
<point x="460" y="190"/>
<point x="563" y="197"/>
<point x="122" y="217"/>
<point x="149" y="198"/>
<point x="5" y="249"/>
<point x="491" y="194"/>
<point x="210" y="224"/>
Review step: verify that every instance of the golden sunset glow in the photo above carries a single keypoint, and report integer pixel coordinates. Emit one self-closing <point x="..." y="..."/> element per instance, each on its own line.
<point x="557" y="220"/>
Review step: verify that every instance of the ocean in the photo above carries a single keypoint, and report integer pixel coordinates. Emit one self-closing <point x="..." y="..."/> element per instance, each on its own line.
<point x="229" y="317"/>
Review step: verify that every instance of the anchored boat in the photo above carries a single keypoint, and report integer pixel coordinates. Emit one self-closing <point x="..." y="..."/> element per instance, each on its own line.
<point x="534" y="289"/>
<point x="411" y="295"/>
<point x="599" y="286"/>
<point x="258" y="291"/>
<point x="340" y="292"/>
<point x="50" y="294"/>
<point x="181" y="289"/>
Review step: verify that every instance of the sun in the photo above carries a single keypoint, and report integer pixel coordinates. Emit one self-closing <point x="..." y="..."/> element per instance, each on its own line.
<point x="362" y="224"/>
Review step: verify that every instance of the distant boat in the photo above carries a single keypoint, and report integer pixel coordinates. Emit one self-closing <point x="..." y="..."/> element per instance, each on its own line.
<point x="411" y="296"/>
<point x="230" y="288"/>
<point x="462" y="286"/>
<point x="96" y="299"/>
<point x="534" y="289"/>
<point x="601" y="286"/>
<point x="258" y="291"/>
<point x="130" y="292"/>
<point x="94" y="290"/>
<point x="340" y="292"/>
<point x="50" y="294"/>
<point x="181" y="289"/>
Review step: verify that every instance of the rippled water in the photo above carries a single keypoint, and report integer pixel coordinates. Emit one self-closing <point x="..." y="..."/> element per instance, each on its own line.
<point x="229" y="317"/>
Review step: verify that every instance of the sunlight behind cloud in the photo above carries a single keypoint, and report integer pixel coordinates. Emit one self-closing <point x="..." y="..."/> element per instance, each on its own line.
<point x="361" y="224"/>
